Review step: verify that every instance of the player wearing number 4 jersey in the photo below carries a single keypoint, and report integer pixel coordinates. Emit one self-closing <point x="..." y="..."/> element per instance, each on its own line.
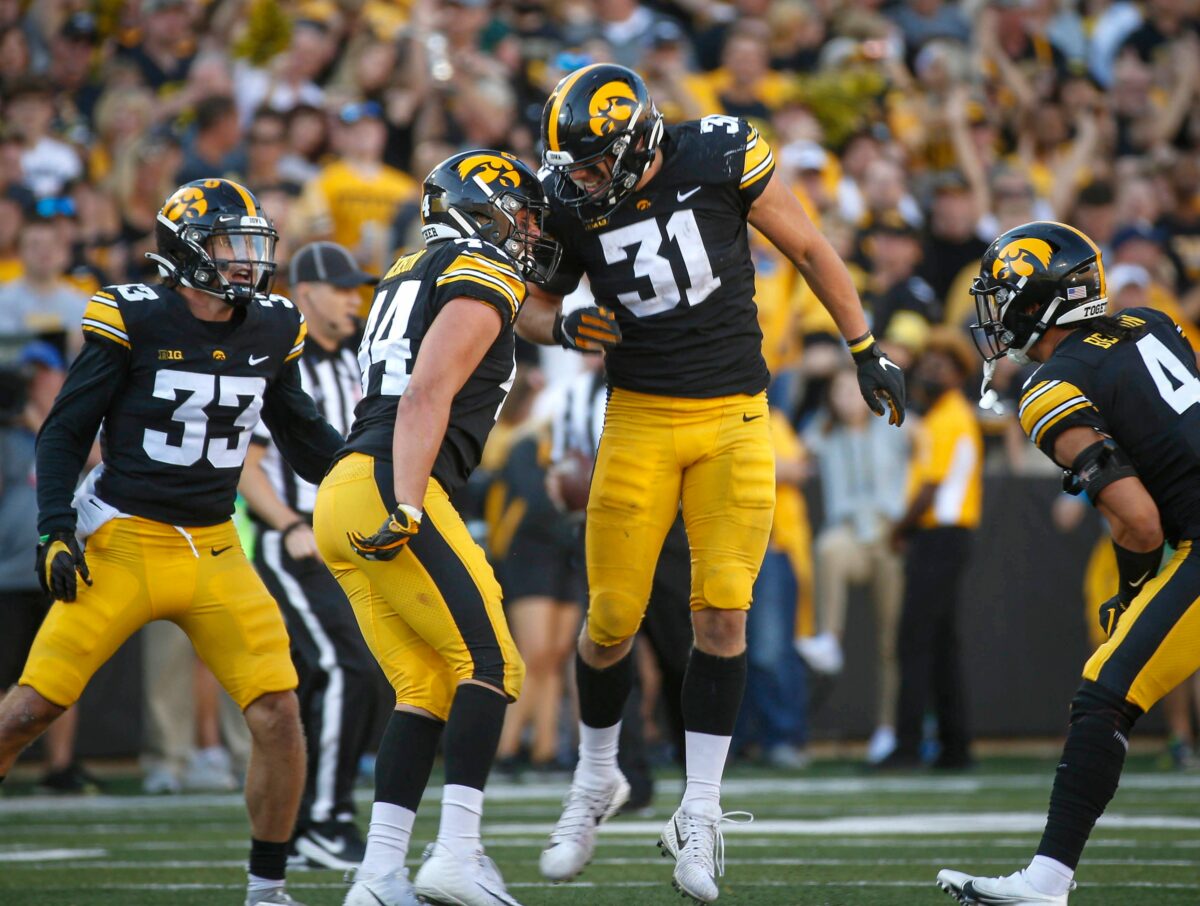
<point x="179" y="374"/>
<point x="437" y="360"/>
<point x="1116" y="403"/>
<point x="656" y="217"/>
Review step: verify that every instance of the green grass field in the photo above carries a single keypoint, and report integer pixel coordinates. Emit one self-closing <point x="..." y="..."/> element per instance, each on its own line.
<point x="831" y="836"/>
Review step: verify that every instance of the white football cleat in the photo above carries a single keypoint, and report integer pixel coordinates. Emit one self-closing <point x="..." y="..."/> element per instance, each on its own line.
<point x="822" y="653"/>
<point x="276" y="897"/>
<point x="392" y="889"/>
<point x="448" y="880"/>
<point x="697" y="845"/>
<point x="1012" y="890"/>
<point x="573" y="839"/>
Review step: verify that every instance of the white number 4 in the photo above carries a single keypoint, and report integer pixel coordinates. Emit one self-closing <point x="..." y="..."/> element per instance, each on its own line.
<point x="1167" y="371"/>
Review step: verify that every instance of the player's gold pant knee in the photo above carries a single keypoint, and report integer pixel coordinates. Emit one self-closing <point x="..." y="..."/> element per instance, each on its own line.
<point x="432" y="617"/>
<point x="712" y="456"/>
<point x="1155" y="646"/>
<point x="144" y="570"/>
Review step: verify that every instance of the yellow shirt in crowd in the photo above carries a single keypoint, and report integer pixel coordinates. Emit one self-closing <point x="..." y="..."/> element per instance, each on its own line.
<point x="949" y="453"/>
<point x="791" y="533"/>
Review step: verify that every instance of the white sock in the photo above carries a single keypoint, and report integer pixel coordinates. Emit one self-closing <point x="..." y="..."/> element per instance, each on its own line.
<point x="706" y="756"/>
<point x="1049" y="876"/>
<point x="387" y="840"/>
<point x="462" y="810"/>
<point x="597" y="766"/>
<point x="255" y="884"/>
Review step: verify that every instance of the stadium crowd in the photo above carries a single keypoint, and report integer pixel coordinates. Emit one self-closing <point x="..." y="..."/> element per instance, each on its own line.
<point x="912" y="132"/>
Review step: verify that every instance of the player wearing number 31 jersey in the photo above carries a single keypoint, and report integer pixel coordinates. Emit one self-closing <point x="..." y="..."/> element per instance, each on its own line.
<point x="657" y="217"/>
<point x="178" y="374"/>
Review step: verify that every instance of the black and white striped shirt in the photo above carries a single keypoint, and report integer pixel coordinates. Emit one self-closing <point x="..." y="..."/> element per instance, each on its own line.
<point x="332" y="380"/>
<point x="579" y="416"/>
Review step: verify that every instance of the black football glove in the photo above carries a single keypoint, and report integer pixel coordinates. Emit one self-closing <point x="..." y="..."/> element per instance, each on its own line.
<point x="588" y="329"/>
<point x="59" y="557"/>
<point x="880" y="380"/>
<point x="1110" y="614"/>
<point x="397" y="530"/>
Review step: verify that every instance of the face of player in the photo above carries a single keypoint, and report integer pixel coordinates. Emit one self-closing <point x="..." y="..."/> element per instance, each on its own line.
<point x="242" y="258"/>
<point x="589" y="179"/>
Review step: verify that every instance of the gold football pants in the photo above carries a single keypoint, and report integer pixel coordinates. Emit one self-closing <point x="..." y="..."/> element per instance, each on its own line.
<point x="713" y="456"/>
<point x="432" y="617"/>
<point x="1157" y="642"/>
<point x="144" y="570"/>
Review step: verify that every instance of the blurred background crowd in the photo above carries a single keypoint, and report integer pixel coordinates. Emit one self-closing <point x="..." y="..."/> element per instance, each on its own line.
<point x="913" y="132"/>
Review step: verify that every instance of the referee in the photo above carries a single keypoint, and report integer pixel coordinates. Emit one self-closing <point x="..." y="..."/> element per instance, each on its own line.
<point x="337" y="674"/>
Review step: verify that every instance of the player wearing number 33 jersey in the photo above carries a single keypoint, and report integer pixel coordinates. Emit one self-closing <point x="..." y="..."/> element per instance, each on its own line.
<point x="437" y="360"/>
<point x="657" y="217"/>
<point x="175" y="376"/>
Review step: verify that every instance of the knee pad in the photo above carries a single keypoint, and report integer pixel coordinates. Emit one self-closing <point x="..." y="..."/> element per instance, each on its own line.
<point x="613" y="617"/>
<point x="728" y="587"/>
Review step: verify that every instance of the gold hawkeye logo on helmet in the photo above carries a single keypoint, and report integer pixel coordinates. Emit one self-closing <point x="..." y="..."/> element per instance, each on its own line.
<point x="611" y="108"/>
<point x="490" y="168"/>
<point x="188" y="202"/>
<point x="1013" y="261"/>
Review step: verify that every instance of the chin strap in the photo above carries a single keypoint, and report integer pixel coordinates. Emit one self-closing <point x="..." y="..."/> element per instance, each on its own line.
<point x="989" y="398"/>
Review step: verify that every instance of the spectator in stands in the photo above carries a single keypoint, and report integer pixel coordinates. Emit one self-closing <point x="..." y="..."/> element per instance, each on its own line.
<point x="354" y="198"/>
<point x="214" y="149"/>
<point x="945" y="491"/>
<point x="40" y="300"/>
<point x="308" y="141"/>
<point x="47" y="164"/>
<point x="863" y="470"/>
<point x="893" y="250"/>
<point x="290" y="79"/>
<point x="72" y="73"/>
<point x="166" y="46"/>
<point x="266" y="141"/>
<point x="952" y="243"/>
<point x="15" y="200"/>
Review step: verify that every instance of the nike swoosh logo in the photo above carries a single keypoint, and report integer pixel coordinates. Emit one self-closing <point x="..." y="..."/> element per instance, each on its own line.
<point x="1145" y="576"/>
<point x="885" y="363"/>
<point x="680" y="838"/>
<point x="749" y="418"/>
<point x="684" y="196"/>
<point x="258" y="359"/>
<point x="217" y="551"/>
<point x="333" y="846"/>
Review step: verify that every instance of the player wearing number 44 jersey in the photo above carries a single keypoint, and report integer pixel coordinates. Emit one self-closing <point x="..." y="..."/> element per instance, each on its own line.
<point x="437" y="360"/>
<point x="656" y="217"/>
<point x="1116" y="403"/>
<point x="179" y="374"/>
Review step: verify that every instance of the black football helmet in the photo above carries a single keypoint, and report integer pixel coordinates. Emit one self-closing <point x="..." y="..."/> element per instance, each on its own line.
<point x="212" y="236"/>
<point x="482" y="194"/>
<point x="602" y="113"/>
<point x="1034" y="277"/>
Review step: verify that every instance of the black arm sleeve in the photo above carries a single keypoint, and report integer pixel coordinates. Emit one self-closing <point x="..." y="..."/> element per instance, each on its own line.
<point x="70" y="428"/>
<point x="305" y="439"/>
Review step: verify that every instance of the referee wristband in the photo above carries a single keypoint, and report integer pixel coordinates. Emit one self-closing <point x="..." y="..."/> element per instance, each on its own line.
<point x="289" y="528"/>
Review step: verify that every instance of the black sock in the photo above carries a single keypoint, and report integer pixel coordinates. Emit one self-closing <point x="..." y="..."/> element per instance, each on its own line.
<point x="602" y="693"/>
<point x="1088" y="771"/>
<point x="267" y="859"/>
<point x="473" y="733"/>
<point x="405" y="758"/>
<point x="712" y="692"/>
<point x="2" y="776"/>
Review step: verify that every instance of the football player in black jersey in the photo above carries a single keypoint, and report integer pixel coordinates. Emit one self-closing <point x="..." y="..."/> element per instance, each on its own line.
<point x="437" y="360"/>
<point x="178" y="373"/>
<point x="1116" y="403"/>
<point x="656" y="217"/>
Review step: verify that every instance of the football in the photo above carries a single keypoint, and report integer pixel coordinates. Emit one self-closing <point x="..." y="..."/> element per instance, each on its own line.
<point x="574" y="477"/>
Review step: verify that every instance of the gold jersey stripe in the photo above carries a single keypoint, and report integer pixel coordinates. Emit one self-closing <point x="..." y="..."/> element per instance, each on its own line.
<point x="484" y="264"/>
<point x="105" y="313"/>
<point x="103" y="295"/>
<point x="107" y="333"/>
<point x="1036" y="405"/>
<point x="301" y="334"/>
<point x="485" y="280"/>
<point x="758" y="154"/>
<point x="557" y="102"/>
<point x="1041" y="429"/>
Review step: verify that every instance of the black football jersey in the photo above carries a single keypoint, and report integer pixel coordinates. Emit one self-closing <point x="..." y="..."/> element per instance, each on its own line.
<point x="406" y="301"/>
<point x="673" y="261"/>
<point x="175" y="433"/>
<point x="1143" y="391"/>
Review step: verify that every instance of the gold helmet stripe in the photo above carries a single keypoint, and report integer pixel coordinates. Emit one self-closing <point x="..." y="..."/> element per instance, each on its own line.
<point x="247" y="198"/>
<point x="1095" y="248"/>
<point x="556" y="103"/>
